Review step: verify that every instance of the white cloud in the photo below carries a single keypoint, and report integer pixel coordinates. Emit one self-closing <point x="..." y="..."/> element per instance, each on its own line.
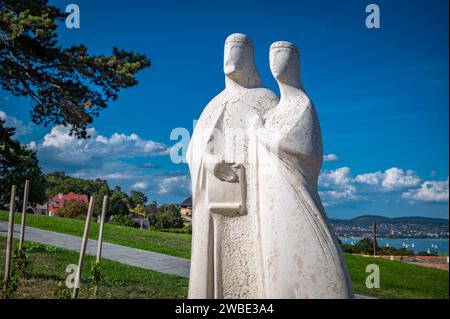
<point x="135" y="177"/>
<point x="330" y="158"/>
<point x="140" y="186"/>
<point x="336" y="186"/>
<point x="149" y="165"/>
<point x="59" y="150"/>
<point x="337" y="177"/>
<point x="429" y="191"/>
<point x="21" y="128"/>
<point x="370" y="178"/>
<point x="347" y="192"/>
<point x="177" y="185"/>
<point x="32" y="145"/>
<point x="396" y="178"/>
<point x="105" y="157"/>
<point x="116" y="176"/>
<point x="392" y="179"/>
<point x="113" y="169"/>
<point x="340" y="186"/>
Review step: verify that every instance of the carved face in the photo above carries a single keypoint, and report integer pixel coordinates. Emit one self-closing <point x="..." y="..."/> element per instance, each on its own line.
<point x="284" y="64"/>
<point x="238" y="60"/>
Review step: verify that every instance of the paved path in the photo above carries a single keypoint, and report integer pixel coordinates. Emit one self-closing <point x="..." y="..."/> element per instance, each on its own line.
<point x="126" y="255"/>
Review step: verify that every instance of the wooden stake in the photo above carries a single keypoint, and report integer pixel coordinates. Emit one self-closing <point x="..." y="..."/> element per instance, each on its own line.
<point x="84" y="241"/>
<point x="100" y="236"/>
<point x="9" y="241"/>
<point x="24" y="213"/>
<point x="100" y="232"/>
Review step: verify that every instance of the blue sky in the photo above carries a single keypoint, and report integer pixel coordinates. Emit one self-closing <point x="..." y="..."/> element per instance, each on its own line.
<point x="381" y="94"/>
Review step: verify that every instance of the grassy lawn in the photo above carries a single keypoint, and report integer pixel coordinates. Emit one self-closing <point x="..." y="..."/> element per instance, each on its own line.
<point x="48" y="266"/>
<point x="178" y="245"/>
<point x="398" y="279"/>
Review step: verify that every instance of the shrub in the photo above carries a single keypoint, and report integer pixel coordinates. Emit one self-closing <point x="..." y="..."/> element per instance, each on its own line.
<point x="118" y="205"/>
<point x="61" y="291"/>
<point x="123" y="220"/>
<point x="167" y="216"/>
<point x="36" y="247"/>
<point x="365" y="247"/>
<point x="19" y="263"/>
<point x="96" y="277"/>
<point x="391" y="251"/>
<point x="73" y="209"/>
<point x="139" y="210"/>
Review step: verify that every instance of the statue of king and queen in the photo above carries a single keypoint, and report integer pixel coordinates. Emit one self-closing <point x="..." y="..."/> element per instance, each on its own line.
<point x="259" y="229"/>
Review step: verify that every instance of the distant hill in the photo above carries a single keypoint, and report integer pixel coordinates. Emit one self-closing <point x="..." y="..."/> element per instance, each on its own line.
<point x="367" y="220"/>
<point x="399" y="227"/>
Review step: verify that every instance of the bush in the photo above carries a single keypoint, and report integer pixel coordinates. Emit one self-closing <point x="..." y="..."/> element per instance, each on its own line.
<point x="118" y="205"/>
<point x="123" y="220"/>
<point x="139" y="210"/>
<point x="73" y="209"/>
<point x="62" y="292"/>
<point x="37" y="247"/>
<point x="167" y="216"/>
<point x="365" y="247"/>
<point x="391" y="251"/>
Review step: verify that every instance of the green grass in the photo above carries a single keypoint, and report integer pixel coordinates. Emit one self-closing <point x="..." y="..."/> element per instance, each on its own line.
<point x="47" y="268"/>
<point x="398" y="279"/>
<point x="178" y="245"/>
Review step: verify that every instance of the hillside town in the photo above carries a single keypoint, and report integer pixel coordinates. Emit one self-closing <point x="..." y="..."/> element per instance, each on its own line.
<point x="393" y="230"/>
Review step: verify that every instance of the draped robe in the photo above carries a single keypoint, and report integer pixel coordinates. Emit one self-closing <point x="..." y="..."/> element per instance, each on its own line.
<point x="226" y="260"/>
<point x="301" y="256"/>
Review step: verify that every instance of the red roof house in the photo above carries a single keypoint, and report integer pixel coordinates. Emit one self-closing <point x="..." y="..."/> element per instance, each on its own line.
<point x="57" y="201"/>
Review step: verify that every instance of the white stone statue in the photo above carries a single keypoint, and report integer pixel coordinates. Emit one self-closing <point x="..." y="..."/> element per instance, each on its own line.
<point x="301" y="256"/>
<point x="259" y="229"/>
<point x="226" y="260"/>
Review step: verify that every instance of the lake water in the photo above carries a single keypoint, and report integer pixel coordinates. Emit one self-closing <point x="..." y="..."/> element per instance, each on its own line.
<point x="439" y="246"/>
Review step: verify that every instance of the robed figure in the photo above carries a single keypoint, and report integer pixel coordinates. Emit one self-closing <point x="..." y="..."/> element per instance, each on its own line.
<point x="226" y="254"/>
<point x="301" y="255"/>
